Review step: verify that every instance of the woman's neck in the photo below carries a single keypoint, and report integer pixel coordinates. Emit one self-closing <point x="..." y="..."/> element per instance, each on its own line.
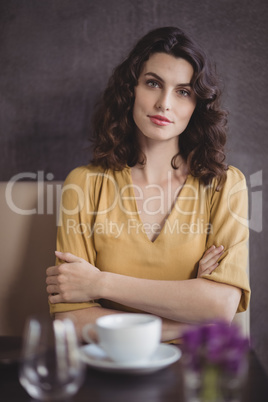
<point x="158" y="162"/>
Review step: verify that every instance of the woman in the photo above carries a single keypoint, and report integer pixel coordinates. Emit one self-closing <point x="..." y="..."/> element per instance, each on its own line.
<point x="155" y="223"/>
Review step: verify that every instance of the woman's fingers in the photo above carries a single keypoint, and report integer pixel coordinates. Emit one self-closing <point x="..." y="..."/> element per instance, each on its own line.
<point x="68" y="257"/>
<point x="210" y="269"/>
<point x="52" y="271"/>
<point x="52" y="289"/>
<point x="55" y="298"/>
<point x="209" y="261"/>
<point x="51" y="279"/>
<point x="209" y="250"/>
<point x="72" y="281"/>
<point x="207" y="253"/>
<point x="54" y="274"/>
<point x="211" y="254"/>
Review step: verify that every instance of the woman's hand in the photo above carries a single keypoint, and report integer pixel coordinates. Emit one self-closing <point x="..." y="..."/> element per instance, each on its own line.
<point x="76" y="280"/>
<point x="209" y="261"/>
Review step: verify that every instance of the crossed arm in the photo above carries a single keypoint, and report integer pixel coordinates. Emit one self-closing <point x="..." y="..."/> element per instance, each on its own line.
<point x="179" y="303"/>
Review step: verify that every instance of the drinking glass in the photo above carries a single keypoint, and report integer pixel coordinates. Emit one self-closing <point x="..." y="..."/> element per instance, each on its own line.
<point x="51" y="367"/>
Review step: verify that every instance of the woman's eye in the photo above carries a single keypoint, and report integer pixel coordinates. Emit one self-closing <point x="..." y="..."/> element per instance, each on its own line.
<point x="183" y="92"/>
<point x="152" y="84"/>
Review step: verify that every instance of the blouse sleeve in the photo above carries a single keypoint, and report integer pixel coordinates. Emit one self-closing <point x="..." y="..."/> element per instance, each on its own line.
<point x="229" y="227"/>
<point x="75" y="224"/>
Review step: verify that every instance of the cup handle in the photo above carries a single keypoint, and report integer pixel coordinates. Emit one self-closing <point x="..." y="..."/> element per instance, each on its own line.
<point x="85" y="333"/>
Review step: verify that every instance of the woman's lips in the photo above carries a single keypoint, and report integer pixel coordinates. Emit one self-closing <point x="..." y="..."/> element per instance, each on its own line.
<point x="160" y="120"/>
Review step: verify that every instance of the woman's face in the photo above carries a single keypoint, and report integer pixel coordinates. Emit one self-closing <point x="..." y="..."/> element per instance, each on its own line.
<point x="164" y="98"/>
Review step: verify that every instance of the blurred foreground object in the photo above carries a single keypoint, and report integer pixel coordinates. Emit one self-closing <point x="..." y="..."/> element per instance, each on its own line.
<point x="216" y="363"/>
<point x="50" y="366"/>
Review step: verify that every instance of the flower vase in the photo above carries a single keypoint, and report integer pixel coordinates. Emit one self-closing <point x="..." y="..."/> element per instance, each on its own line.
<point x="215" y="363"/>
<point x="204" y="386"/>
<point x="212" y="385"/>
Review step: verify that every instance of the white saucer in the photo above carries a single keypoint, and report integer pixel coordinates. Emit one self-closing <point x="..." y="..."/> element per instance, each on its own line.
<point x="163" y="357"/>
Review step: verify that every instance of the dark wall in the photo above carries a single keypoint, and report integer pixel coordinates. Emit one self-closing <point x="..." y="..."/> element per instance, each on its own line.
<point x="56" y="56"/>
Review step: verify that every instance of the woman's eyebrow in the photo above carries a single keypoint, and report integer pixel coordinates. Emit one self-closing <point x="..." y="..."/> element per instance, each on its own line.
<point x="188" y="84"/>
<point x="155" y="76"/>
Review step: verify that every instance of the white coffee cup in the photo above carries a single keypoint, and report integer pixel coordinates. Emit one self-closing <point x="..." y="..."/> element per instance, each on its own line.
<point x="126" y="338"/>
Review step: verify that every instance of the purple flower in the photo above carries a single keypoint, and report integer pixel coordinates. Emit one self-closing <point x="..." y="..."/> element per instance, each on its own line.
<point x="217" y="344"/>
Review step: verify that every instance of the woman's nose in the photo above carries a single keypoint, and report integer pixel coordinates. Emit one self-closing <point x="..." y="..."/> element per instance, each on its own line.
<point x="163" y="102"/>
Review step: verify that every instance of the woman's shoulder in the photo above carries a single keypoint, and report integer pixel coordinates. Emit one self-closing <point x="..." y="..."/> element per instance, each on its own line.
<point x="235" y="178"/>
<point x="234" y="174"/>
<point x="80" y="174"/>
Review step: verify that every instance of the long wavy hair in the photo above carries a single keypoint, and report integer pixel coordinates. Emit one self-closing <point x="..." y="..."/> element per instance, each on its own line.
<point x="201" y="145"/>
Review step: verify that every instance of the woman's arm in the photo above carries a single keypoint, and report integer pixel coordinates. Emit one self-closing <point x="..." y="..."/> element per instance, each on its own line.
<point x="84" y="316"/>
<point x="188" y="301"/>
<point x="170" y="329"/>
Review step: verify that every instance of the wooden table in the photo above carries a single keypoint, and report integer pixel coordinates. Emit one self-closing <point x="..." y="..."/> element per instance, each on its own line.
<point x="163" y="386"/>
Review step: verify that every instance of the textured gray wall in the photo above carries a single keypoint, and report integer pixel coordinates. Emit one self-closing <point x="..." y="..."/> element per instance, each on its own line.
<point x="56" y="56"/>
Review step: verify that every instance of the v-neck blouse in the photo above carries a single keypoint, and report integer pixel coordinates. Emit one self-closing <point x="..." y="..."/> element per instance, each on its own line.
<point x="99" y="222"/>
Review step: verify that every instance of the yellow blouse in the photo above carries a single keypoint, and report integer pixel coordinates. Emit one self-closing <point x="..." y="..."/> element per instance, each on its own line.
<point x="99" y="222"/>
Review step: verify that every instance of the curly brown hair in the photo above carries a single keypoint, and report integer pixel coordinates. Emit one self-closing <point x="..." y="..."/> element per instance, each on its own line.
<point x="201" y="145"/>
